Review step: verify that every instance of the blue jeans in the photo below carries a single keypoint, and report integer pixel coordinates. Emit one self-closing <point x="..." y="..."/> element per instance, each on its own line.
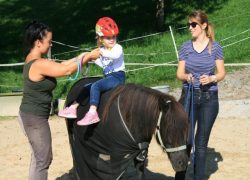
<point x="206" y="107"/>
<point x="108" y="82"/>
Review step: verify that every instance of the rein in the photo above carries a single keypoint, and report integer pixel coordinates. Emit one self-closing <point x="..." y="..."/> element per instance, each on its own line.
<point x="124" y="124"/>
<point x="191" y="89"/>
<point x="157" y="132"/>
<point x="142" y="146"/>
<point x="79" y="69"/>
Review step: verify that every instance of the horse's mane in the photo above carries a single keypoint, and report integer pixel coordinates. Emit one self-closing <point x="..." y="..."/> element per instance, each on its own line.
<point x="140" y="107"/>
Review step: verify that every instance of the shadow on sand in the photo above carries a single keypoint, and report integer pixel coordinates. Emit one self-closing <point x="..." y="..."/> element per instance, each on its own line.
<point x="129" y="175"/>
<point x="213" y="158"/>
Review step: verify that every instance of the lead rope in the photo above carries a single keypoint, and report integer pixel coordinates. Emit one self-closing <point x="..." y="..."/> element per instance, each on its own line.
<point x="192" y="123"/>
<point x="191" y="90"/>
<point x="143" y="147"/>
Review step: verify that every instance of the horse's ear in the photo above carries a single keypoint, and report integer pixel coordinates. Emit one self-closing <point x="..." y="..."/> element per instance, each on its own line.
<point x="164" y="104"/>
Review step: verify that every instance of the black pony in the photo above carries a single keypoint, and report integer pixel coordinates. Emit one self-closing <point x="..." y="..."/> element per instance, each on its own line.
<point x="130" y="115"/>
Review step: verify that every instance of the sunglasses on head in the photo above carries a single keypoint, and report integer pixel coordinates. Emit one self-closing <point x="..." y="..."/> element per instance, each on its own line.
<point x="192" y="24"/>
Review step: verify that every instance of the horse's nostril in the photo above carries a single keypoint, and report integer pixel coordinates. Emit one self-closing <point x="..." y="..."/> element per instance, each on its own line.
<point x="180" y="163"/>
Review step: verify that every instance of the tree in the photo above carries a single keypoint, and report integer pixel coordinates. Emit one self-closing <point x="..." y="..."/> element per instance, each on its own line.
<point x="160" y="16"/>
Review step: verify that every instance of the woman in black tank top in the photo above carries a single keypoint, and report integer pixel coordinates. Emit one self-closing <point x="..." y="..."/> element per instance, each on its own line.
<point x="39" y="76"/>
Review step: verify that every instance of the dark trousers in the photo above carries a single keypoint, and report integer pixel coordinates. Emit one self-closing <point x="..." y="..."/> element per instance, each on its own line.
<point x="205" y="110"/>
<point x="37" y="130"/>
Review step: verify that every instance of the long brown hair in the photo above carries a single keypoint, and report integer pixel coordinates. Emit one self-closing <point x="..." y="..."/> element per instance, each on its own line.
<point x="202" y="18"/>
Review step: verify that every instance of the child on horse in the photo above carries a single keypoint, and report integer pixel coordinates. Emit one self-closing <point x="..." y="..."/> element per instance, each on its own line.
<point x="112" y="61"/>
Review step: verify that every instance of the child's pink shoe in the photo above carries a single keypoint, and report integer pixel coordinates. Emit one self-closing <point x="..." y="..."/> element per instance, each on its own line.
<point x="89" y="118"/>
<point x="68" y="112"/>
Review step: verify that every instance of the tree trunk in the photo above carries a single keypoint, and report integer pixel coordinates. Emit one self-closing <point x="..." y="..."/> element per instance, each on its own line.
<point x="160" y="16"/>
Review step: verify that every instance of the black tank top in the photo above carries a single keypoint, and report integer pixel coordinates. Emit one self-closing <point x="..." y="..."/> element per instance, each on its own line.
<point x="37" y="96"/>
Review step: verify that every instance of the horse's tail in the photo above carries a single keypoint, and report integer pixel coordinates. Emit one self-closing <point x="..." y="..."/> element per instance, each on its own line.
<point x="114" y="95"/>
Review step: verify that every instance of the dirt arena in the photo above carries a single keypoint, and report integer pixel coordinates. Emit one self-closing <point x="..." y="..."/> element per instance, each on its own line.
<point x="228" y="155"/>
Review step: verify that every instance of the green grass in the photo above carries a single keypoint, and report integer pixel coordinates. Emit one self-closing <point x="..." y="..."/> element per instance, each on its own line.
<point x="73" y="23"/>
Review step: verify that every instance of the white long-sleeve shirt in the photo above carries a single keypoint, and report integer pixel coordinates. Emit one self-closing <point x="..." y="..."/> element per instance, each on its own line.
<point x="111" y="60"/>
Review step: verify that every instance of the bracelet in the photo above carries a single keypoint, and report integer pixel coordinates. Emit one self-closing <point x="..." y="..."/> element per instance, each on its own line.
<point x="213" y="78"/>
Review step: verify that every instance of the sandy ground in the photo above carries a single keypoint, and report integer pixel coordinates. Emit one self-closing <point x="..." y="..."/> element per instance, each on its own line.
<point x="228" y="155"/>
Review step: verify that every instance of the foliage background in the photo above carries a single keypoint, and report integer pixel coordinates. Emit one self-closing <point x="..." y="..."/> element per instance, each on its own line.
<point x="73" y="23"/>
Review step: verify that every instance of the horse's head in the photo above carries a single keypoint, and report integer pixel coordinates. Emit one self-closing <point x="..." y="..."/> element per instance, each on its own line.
<point x="140" y="109"/>
<point x="171" y="131"/>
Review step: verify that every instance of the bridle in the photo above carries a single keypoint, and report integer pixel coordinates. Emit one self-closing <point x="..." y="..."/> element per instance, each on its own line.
<point x="143" y="146"/>
<point x="158" y="134"/>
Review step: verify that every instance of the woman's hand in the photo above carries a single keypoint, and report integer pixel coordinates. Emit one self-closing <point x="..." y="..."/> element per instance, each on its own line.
<point x="205" y="79"/>
<point x="182" y="74"/>
<point x="80" y="56"/>
<point x="189" y="78"/>
<point x="94" y="54"/>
